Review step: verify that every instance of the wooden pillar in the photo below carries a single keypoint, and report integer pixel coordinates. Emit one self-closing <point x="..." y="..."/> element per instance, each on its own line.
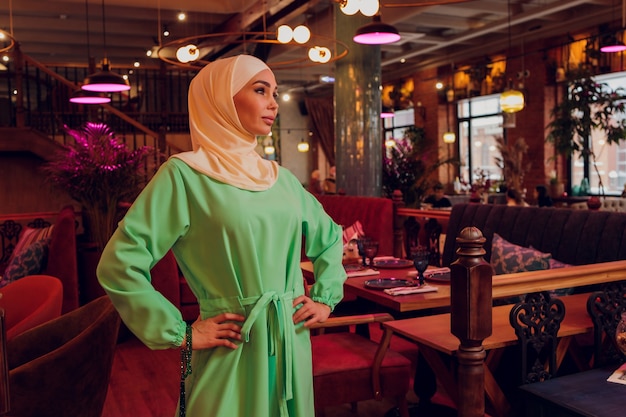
<point x="470" y="321"/>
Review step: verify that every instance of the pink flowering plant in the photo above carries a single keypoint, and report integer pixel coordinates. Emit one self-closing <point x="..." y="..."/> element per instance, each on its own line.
<point x="408" y="166"/>
<point x="99" y="172"/>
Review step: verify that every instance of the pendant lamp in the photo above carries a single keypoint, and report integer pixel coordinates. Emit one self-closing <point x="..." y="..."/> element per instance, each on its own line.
<point x="376" y="33"/>
<point x="89" y="97"/>
<point x="609" y="43"/>
<point x="511" y="100"/>
<point x="105" y="80"/>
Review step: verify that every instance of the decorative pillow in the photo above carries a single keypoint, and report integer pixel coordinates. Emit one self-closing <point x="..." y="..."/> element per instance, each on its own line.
<point x="29" y="236"/>
<point x="554" y="264"/>
<point x="29" y="262"/>
<point x="353" y="232"/>
<point x="509" y="258"/>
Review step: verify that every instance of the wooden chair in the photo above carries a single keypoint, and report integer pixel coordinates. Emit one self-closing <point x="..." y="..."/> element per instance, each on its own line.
<point x="348" y="368"/>
<point x="605" y="308"/>
<point x="62" y="367"/>
<point x="536" y="321"/>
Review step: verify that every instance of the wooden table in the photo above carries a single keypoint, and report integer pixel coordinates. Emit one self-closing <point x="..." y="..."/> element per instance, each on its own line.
<point x="586" y="394"/>
<point x="400" y="303"/>
<point x="436" y="344"/>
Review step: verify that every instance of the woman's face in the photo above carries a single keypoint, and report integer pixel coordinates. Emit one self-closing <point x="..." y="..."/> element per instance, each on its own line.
<point x="256" y="103"/>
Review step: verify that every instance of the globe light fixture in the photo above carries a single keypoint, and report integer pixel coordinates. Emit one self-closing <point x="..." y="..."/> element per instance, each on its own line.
<point x="511" y="101"/>
<point x="187" y="53"/>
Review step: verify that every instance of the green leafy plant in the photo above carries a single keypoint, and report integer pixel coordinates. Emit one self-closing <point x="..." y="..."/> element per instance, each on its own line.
<point x="99" y="172"/>
<point x="409" y="165"/>
<point x="586" y="106"/>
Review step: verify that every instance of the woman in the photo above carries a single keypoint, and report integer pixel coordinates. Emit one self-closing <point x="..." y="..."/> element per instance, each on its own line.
<point x="542" y="196"/>
<point x="235" y="222"/>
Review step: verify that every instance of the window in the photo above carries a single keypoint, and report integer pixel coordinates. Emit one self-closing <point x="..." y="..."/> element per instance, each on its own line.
<point x="394" y="127"/>
<point x="480" y="122"/>
<point x="610" y="159"/>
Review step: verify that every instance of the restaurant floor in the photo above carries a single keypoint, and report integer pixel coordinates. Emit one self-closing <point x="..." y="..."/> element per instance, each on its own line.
<point x="145" y="383"/>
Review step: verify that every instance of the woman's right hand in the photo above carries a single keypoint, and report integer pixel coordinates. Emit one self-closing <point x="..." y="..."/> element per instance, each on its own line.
<point x="216" y="331"/>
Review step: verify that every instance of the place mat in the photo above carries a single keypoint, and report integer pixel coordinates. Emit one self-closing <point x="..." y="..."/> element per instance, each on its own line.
<point x="410" y="290"/>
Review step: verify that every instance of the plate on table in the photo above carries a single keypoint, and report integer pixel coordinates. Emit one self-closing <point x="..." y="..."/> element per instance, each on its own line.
<point x="392" y="263"/>
<point x="386" y="283"/>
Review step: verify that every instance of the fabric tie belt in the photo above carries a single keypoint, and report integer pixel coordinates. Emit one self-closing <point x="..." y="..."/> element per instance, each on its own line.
<point x="280" y="329"/>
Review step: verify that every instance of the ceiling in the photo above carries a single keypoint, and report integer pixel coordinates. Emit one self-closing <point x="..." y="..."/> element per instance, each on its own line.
<point x="55" y="31"/>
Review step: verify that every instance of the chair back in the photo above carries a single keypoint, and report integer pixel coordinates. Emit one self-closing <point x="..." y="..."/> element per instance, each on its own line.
<point x="537" y="321"/>
<point x="605" y="308"/>
<point x="62" y="367"/>
<point x="29" y="302"/>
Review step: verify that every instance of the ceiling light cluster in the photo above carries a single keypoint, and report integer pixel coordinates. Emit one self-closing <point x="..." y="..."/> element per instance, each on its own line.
<point x="366" y="7"/>
<point x="285" y="34"/>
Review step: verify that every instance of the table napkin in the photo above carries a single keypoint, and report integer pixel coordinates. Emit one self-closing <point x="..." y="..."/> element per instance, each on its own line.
<point x="355" y="270"/>
<point x="362" y="272"/>
<point x="410" y="290"/>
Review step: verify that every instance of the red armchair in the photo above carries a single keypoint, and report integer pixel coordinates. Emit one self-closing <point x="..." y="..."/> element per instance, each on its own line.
<point x="29" y="302"/>
<point x="348" y="368"/>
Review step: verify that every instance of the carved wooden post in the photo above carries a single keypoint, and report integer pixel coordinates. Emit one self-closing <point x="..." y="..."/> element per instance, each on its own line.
<point x="470" y="321"/>
<point x="398" y="224"/>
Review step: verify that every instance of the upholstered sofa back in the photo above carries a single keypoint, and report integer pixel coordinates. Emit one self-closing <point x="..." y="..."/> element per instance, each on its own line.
<point x="576" y="237"/>
<point x="376" y="215"/>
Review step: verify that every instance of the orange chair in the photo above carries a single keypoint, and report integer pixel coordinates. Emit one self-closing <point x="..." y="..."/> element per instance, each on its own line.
<point x="348" y="368"/>
<point x="29" y="302"/>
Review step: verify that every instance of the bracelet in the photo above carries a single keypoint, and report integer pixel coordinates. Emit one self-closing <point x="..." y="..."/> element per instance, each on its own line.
<point x="186" y="354"/>
<point x="185" y="369"/>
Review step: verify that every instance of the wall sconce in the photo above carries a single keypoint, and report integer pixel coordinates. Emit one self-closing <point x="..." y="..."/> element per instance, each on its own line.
<point x="303" y="146"/>
<point x="269" y="149"/>
<point x="449" y="137"/>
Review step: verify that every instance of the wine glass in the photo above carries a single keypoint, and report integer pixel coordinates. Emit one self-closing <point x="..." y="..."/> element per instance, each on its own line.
<point x="421" y="257"/>
<point x="360" y="243"/>
<point x="370" y="248"/>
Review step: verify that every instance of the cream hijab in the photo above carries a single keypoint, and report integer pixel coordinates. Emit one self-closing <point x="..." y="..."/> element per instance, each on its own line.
<point x="222" y="148"/>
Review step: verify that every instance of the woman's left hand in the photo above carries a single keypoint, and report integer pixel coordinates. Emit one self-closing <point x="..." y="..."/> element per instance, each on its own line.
<point x="310" y="311"/>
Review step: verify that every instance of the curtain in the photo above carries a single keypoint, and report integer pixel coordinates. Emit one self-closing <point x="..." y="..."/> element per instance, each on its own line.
<point x="322" y="114"/>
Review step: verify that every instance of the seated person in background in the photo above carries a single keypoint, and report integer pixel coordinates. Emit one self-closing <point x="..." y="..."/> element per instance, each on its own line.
<point x="437" y="199"/>
<point x="624" y="192"/>
<point x="514" y="198"/>
<point x="315" y="186"/>
<point x="542" y="197"/>
<point x="330" y="185"/>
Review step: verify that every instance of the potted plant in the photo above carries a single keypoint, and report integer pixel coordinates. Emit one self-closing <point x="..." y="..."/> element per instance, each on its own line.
<point x="99" y="172"/>
<point x="408" y="166"/>
<point x="586" y="106"/>
<point x="511" y="161"/>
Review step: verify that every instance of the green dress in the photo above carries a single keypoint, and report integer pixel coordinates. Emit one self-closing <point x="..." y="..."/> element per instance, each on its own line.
<point x="240" y="252"/>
